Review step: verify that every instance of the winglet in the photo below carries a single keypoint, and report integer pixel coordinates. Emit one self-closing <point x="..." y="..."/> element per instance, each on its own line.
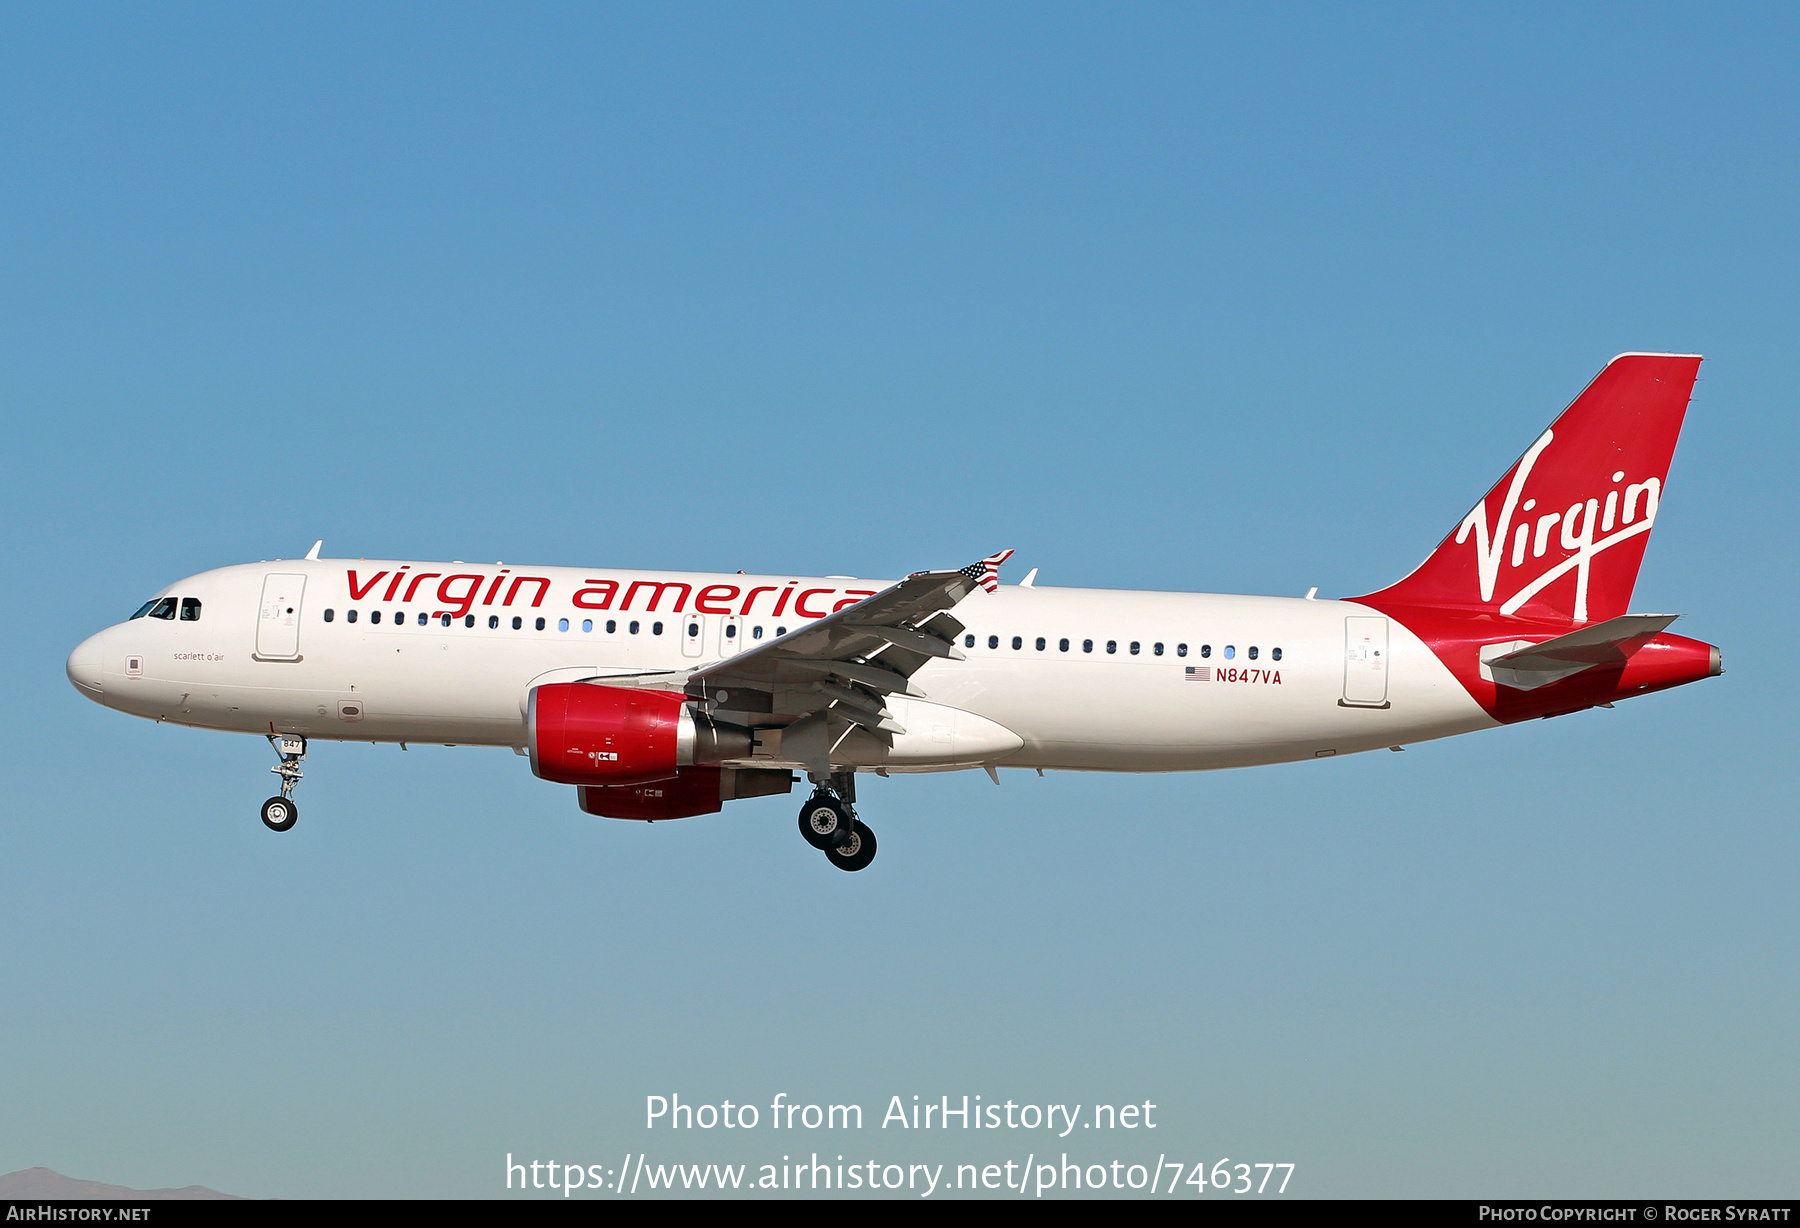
<point x="986" y="572"/>
<point x="314" y="552"/>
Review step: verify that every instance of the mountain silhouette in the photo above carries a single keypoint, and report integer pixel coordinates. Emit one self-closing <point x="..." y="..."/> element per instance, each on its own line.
<point x="48" y="1183"/>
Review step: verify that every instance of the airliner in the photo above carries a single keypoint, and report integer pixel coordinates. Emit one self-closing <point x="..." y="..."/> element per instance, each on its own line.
<point x="663" y="695"/>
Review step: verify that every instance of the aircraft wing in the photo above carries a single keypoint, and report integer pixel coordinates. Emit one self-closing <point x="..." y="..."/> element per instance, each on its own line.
<point x="875" y="645"/>
<point x="839" y="671"/>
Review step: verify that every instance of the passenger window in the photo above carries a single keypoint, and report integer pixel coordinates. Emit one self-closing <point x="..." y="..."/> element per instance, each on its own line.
<point x="1087" y="645"/>
<point x="587" y="624"/>
<point x="164" y="608"/>
<point x="1230" y="651"/>
<point x="780" y="631"/>
<point x="1181" y="650"/>
<point x="611" y="626"/>
<point x="1157" y="649"/>
<point x="190" y="609"/>
<point x="632" y="627"/>
<point x="1040" y="643"/>
<point x="540" y="624"/>
<point x="422" y="618"/>
<point x="1205" y="650"/>
<point x="1253" y="652"/>
<point x="731" y="631"/>
<point x="1017" y="643"/>
<point x="1062" y="645"/>
<point x="1134" y="648"/>
<point x="1275" y="654"/>
<point x="517" y="622"/>
<point x="756" y="633"/>
<point x="330" y="614"/>
<point x="1112" y="645"/>
<point x="993" y="641"/>
<point x="562" y="624"/>
<point x="968" y="641"/>
<point x="468" y="620"/>
<point x="143" y="609"/>
<point x="375" y="617"/>
<point x="655" y="628"/>
<point x="493" y="621"/>
<point x="693" y="630"/>
<point x="445" y="618"/>
<point x="349" y="616"/>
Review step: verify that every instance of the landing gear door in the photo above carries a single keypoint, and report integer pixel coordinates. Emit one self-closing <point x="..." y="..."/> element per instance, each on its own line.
<point x="1365" y="662"/>
<point x="278" y="620"/>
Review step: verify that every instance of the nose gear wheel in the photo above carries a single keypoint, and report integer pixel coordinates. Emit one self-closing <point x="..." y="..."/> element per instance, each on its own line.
<point x="279" y="813"/>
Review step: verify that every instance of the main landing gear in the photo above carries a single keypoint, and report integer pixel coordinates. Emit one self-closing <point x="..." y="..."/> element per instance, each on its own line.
<point x="279" y="813"/>
<point x="828" y="822"/>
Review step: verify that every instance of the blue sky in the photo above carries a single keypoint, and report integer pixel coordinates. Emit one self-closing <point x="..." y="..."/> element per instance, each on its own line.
<point x="1177" y="297"/>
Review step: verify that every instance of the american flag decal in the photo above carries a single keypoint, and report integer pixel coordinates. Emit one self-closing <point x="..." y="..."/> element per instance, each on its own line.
<point x="987" y="572"/>
<point x="1199" y="673"/>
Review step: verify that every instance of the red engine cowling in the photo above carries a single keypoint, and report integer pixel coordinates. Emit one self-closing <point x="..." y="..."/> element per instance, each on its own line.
<point x="582" y="734"/>
<point x="691" y="791"/>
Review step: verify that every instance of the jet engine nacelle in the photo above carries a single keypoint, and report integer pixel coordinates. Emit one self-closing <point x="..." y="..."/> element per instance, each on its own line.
<point x="580" y="733"/>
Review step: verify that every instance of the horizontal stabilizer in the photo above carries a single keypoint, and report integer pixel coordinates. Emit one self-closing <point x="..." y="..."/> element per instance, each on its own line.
<point x="1527" y="667"/>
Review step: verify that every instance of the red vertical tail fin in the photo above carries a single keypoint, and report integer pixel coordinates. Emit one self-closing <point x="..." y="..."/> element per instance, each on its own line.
<point x="1560" y="536"/>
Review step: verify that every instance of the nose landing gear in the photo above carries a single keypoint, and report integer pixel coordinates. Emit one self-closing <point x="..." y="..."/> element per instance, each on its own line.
<point x="828" y="822"/>
<point x="280" y="813"/>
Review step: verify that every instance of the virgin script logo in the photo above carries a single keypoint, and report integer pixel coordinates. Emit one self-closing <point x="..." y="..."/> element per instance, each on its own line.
<point x="1574" y="528"/>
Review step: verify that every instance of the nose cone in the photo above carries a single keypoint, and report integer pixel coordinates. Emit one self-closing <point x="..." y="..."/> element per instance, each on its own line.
<point x="84" y="667"/>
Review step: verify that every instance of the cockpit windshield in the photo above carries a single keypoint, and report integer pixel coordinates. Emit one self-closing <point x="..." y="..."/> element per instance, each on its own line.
<point x="164" y="607"/>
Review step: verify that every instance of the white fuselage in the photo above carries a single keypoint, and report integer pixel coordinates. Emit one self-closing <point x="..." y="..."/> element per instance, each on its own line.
<point x="1140" y="699"/>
